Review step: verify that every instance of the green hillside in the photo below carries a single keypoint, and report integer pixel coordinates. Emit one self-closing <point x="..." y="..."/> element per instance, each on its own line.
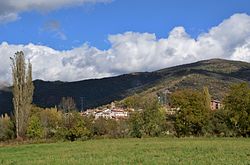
<point x="217" y="74"/>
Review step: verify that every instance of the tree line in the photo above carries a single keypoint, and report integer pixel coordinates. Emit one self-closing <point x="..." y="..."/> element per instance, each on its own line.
<point x="192" y="117"/>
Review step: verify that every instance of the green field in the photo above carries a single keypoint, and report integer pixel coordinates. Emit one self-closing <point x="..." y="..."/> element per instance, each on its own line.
<point x="131" y="151"/>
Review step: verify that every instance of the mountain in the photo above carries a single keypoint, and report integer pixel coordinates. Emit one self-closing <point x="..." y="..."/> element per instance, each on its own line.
<point x="217" y="74"/>
<point x="87" y="93"/>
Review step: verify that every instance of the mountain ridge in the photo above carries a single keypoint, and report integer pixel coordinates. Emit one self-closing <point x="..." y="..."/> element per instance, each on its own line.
<point x="217" y="74"/>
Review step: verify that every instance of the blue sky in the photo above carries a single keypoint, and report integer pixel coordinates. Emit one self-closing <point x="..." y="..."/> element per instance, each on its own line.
<point x="92" y="23"/>
<point x="72" y="40"/>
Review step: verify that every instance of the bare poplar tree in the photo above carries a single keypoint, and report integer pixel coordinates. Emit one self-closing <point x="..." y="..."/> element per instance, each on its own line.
<point x="67" y="104"/>
<point x="22" y="92"/>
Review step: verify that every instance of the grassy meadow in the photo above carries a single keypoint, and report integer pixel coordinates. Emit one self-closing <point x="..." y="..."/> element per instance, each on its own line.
<point x="131" y="151"/>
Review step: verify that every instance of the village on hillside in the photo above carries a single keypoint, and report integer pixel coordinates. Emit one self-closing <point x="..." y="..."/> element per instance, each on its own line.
<point x="117" y="113"/>
<point x="109" y="113"/>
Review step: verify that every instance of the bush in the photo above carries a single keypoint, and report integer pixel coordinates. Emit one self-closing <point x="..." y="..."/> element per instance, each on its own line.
<point x="150" y="121"/>
<point x="51" y="120"/>
<point x="218" y="124"/>
<point x="35" y="129"/>
<point x="136" y="125"/>
<point x="6" y="128"/>
<point x="117" y="128"/>
<point x="73" y="127"/>
<point x="100" y="127"/>
<point x="110" y="128"/>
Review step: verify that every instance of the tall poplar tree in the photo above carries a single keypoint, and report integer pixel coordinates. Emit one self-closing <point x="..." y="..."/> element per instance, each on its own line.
<point x="22" y="92"/>
<point x="207" y="98"/>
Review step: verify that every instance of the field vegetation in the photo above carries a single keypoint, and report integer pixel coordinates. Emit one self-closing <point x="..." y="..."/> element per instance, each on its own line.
<point x="149" y="151"/>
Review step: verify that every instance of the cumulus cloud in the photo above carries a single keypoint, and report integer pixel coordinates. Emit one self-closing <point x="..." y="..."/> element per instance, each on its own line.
<point x="10" y="9"/>
<point x="132" y="52"/>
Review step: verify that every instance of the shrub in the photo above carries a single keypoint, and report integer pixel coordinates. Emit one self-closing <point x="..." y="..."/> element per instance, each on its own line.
<point x="136" y="125"/>
<point x="218" y="124"/>
<point x="51" y="120"/>
<point x="6" y="128"/>
<point x="73" y="127"/>
<point x="35" y="129"/>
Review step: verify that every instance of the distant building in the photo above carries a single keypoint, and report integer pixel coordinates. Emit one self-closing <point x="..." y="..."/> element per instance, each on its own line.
<point x="112" y="114"/>
<point x="104" y="114"/>
<point x="215" y="105"/>
<point x="89" y="112"/>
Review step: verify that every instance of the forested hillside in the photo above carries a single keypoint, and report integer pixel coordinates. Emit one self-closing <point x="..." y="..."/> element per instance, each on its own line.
<point x="216" y="74"/>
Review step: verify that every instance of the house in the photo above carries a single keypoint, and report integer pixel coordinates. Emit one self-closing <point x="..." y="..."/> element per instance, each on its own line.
<point x="112" y="114"/>
<point x="215" y="105"/>
<point x="119" y="113"/>
<point x="105" y="114"/>
<point x="90" y="112"/>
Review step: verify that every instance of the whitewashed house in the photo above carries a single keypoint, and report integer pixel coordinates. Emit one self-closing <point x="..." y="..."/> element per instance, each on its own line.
<point x="112" y="114"/>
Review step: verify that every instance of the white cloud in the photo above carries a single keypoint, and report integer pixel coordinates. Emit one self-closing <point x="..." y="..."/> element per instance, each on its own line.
<point x="242" y="52"/>
<point x="132" y="52"/>
<point x="8" y="17"/>
<point x="10" y="9"/>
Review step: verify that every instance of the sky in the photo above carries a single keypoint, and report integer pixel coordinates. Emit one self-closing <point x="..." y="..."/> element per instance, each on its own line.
<point x="71" y="40"/>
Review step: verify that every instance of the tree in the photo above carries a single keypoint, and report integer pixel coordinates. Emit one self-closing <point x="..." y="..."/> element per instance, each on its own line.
<point x="149" y="121"/>
<point x="237" y="104"/>
<point x="136" y="124"/>
<point x="100" y="127"/>
<point x="192" y="113"/>
<point x="132" y="101"/>
<point x="122" y="129"/>
<point x="51" y="120"/>
<point x="89" y="124"/>
<point x="22" y="92"/>
<point x="153" y="118"/>
<point x="67" y="104"/>
<point x="207" y="98"/>
<point x="218" y="124"/>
